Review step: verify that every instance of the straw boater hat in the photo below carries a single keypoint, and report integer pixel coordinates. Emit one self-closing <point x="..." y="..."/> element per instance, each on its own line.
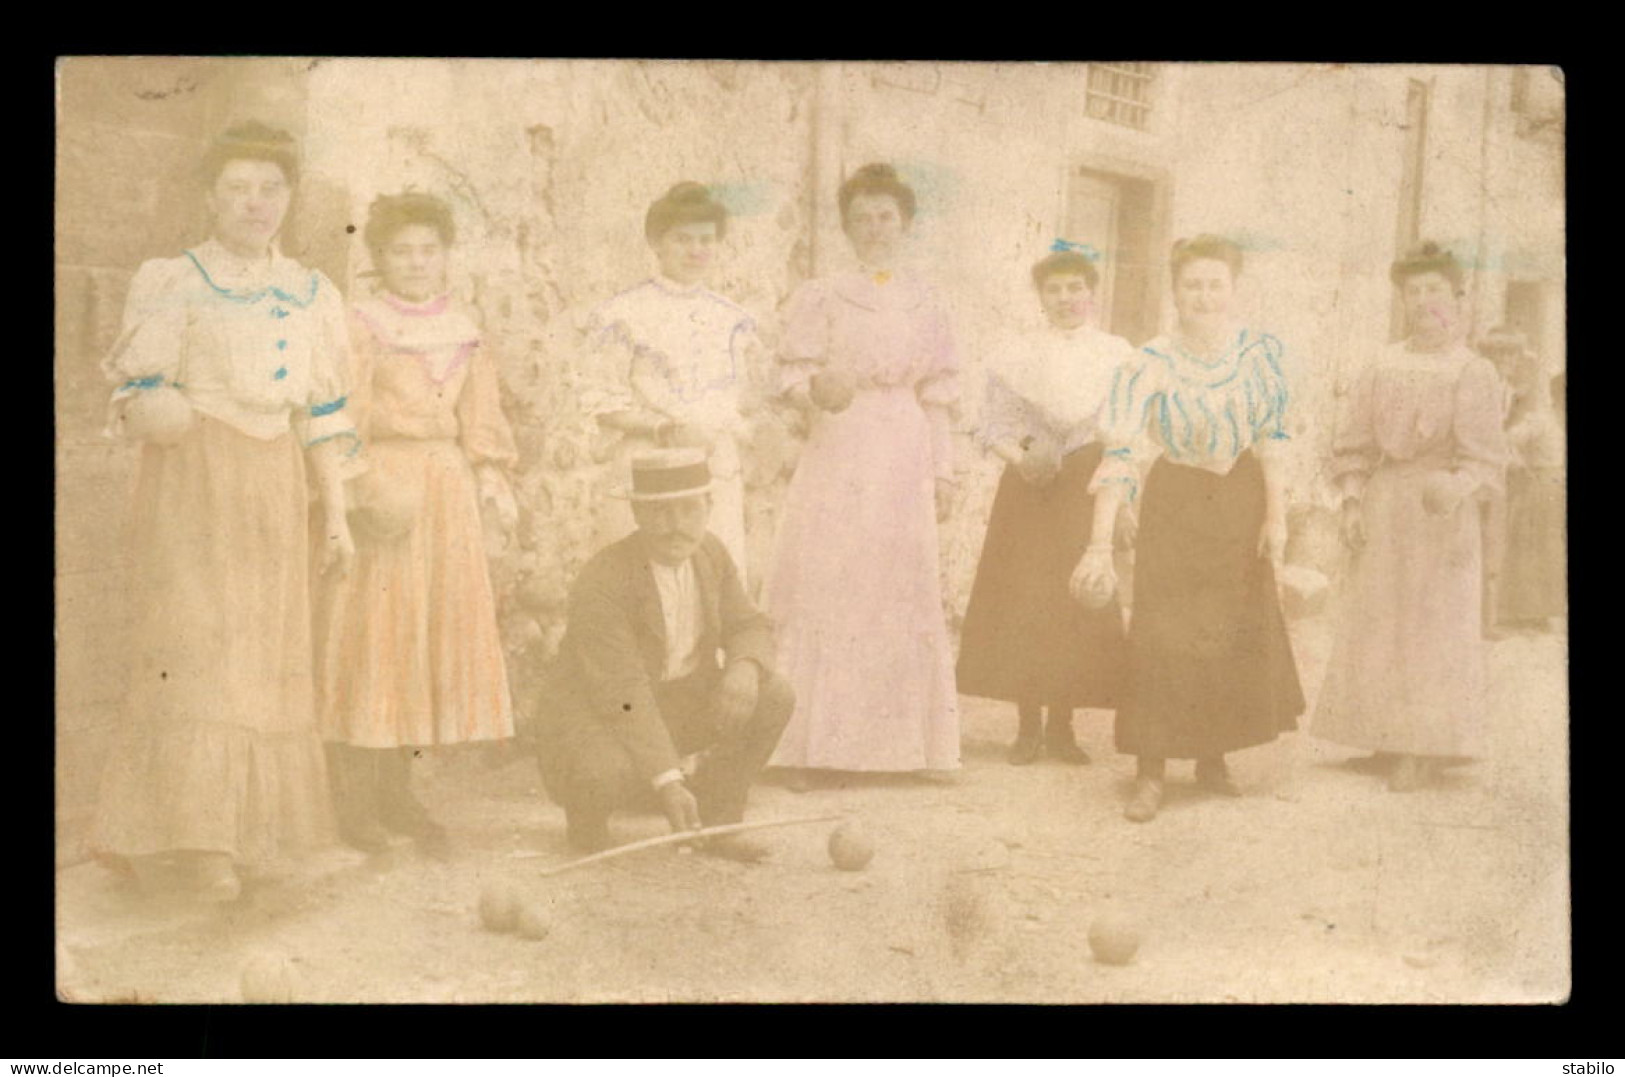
<point x="666" y="474"/>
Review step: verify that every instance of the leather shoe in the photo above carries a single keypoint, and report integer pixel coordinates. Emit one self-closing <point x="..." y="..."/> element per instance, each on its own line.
<point x="369" y="837"/>
<point x="1147" y="798"/>
<point x="1215" y="778"/>
<point x="1026" y="750"/>
<point x="1067" y="751"/>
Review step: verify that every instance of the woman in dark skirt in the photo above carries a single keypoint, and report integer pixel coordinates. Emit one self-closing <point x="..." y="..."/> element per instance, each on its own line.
<point x="1210" y="666"/>
<point x="1025" y="641"/>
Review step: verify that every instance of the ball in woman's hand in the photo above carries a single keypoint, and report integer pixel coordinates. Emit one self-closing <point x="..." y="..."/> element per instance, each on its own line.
<point x="382" y="511"/>
<point x="1096" y="592"/>
<point x="832" y="390"/>
<point x="162" y="416"/>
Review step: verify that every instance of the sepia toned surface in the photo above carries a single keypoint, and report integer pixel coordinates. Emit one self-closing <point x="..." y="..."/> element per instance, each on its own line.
<point x="1317" y="885"/>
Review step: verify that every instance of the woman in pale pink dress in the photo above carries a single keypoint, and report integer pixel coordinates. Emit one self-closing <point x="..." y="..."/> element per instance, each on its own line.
<point x="868" y="357"/>
<point x="408" y="653"/>
<point x="1420" y="445"/>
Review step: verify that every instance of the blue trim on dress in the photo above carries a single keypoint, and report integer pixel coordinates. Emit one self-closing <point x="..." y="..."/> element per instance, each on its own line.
<point x="340" y="434"/>
<point x="318" y="410"/>
<point x="255" y="297"/>
<point x="151" y="381"/>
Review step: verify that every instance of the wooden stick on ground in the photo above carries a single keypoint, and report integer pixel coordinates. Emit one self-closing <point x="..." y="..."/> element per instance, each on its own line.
<point x="675" y="839"/>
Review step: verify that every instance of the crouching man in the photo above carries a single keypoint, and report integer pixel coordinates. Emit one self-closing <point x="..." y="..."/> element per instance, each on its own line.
<point x="664" y="657"/>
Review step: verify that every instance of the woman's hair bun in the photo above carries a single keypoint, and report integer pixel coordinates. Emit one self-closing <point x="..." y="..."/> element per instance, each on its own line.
<point x="877" y="179"/>
<point x="685" y="202"/>
<point x="688" y="192"/>
<point x="876" y="172"/>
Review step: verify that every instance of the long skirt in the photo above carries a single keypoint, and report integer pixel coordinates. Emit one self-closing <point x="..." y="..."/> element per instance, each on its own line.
<point x="1534" y="578"/>
<point x="407" y="646"/>
<point x="1210" y="665"/>
<point x="1025" y="639"/>
<point x="857" y="596"/>
<point x="1407" y="666"/>
<point x="218" y="751"/>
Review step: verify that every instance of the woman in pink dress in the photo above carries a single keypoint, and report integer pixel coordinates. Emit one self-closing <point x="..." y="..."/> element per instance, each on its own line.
<point x="408" y="653"/>
<point x="1420" y="445"/>
<point x="231" y="372"/>
<point x="868" y="357"/>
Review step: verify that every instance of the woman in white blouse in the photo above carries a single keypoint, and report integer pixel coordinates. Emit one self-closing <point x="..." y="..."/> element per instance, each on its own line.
<point x="668" y="362"/>
<point x="1210" y="665"/>
<point x="230" y="371"/>
<point x="1024" y="639"/>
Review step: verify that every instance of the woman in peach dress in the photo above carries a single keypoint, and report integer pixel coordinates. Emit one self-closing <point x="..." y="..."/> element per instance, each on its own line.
<point x="408" y="653"/>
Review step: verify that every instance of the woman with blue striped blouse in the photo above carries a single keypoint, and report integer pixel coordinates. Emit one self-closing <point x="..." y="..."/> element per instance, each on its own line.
<point x="1200" y="415"/>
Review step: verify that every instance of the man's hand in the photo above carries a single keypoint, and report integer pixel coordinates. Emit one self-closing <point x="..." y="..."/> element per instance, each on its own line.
<point x="682" y="810"/>
<point x="737" y="695"/>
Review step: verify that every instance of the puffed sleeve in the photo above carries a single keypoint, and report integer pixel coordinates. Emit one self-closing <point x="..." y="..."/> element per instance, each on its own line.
<point x="1003" y="415"/>
<point x="326" y="417"/>
<point x="804" y="336"/>
<point x="482" y="427"/>
<point x="152" y="339"/>
<point x="1267" y="398"/>
<point x="1128" y="448"/>
<point x="1355" y="451"/>
<point x="938" y="388"/>
<point x="1481" y="449"/>
<point x="602" y="378"/>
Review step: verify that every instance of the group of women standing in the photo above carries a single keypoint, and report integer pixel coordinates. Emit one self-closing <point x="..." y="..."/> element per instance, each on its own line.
<point x="248" y="383"/>
<point x="275" y="652"/>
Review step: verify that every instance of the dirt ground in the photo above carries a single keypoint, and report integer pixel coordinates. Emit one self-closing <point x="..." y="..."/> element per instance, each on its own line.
<point x="1317" y="886"/>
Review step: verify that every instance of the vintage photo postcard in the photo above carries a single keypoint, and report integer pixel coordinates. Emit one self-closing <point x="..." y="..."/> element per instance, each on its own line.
<point x="640" y="531"/>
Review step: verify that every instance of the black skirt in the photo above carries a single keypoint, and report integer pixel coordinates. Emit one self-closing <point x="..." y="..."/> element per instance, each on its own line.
<point x="1025" y="640"/>
<point x="1210" y="664"/>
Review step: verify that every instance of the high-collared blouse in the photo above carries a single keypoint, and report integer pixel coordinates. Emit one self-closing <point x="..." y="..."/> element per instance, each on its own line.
<point x="423" y="372"/>
<point x="262" y="348"/>
<point x="1192" y="410"/>
<point x="680" y="350"/>
<point x="1440" y="407"/>
<point x="1050" y="383"/>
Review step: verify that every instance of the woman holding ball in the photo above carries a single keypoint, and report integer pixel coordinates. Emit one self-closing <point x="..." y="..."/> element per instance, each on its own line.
<point x="1025" y="640"/>
<point x="1420" y="444"/>
<point x="231" y="373"/>
<point x="1210" y="665"/>
<point x="408" y="653"/>
<point x="868" y="358"/>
